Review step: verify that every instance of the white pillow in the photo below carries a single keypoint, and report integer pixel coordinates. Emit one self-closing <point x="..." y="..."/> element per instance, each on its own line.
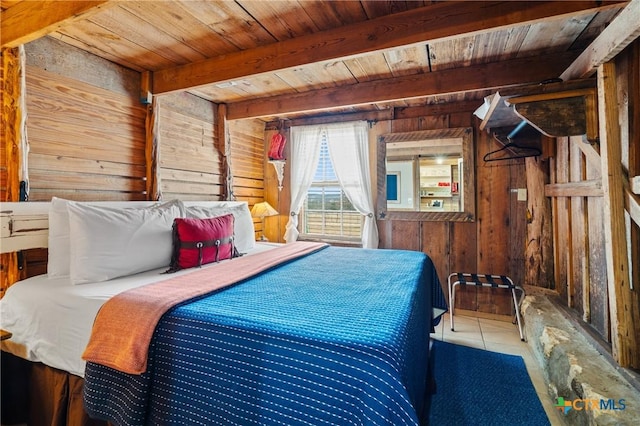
<point x="244" y="233"/>
<point x="112" y="242"/>
<point x="59" y="245"/>
<point x="59" y="253"/>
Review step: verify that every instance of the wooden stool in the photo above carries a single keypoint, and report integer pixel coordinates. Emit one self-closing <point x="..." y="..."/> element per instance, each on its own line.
<point x="485" y="280"/>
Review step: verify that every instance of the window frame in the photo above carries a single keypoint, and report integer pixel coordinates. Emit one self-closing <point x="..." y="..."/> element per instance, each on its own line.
<point x="302" y="222"/>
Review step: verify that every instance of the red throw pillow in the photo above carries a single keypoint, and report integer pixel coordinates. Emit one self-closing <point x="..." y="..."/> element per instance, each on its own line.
<point x="200" y="241"/>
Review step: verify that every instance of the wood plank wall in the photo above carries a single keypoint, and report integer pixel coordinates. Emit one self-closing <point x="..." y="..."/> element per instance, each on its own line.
<point x="247" y="163"/>
<point x="578" y="220"/>
<point x="86" y="130"/>
<point x="190" y="165"/>
<point x="86" y="143"/>
<point x="85" y="126"/>
<point x="494" y="243"/>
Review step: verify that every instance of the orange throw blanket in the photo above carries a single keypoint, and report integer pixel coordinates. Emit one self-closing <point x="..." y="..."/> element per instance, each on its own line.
<point x="125" y="324"/>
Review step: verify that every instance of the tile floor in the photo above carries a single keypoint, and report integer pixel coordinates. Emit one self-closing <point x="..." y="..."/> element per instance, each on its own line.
<point x="498" y="336"/>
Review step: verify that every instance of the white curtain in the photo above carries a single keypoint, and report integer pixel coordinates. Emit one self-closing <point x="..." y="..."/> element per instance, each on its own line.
<point x="349" y="151"/>
<point x="304" y="155"/>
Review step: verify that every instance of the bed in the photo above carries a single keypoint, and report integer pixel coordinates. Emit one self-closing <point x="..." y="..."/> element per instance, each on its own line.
<point x="334" y="336"/>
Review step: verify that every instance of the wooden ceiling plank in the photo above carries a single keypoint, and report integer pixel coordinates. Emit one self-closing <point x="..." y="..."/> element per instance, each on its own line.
<point x="29" y="20"/>
<point x="323" y="15"/>
<point x="479" y="77"/>
<point x="514" y="37"/>
<point x="599" y="22"/>
<point x="111" y="45"/>
<point x="254" y="86"/>
<point x="231" y="22"/>
<point x="623" y="30"/>
<point x="318" y="76"/>
<point x="381" y="8"/>
<point x="433" y="22"/>
<point x="188" y="28"/>
<point x="554" y="35"/>
<point x="494" y="45"/>
<point x="281" y="22"/>
<point x="72" y="40"/>
<point x="369" y="67"/>
<point x="133" y="28"/>
<point x="451" y="53"/>
<point x="399" y="58"/>
<point x="334" y="13"/>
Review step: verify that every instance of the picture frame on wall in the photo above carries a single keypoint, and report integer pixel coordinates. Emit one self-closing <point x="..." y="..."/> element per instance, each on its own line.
<point x="400" y="185"/>
<point x="393" y="187"/>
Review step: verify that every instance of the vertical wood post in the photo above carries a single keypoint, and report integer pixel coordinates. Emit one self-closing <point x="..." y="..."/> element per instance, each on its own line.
<point x="152" y="151"/>
<point x="562" y="215"/>
<point x="598" y="294"/>
<point x="579" y="236"/>
<point x="13" y="120"/>
<point x="539" y="244"/>
<point x="13" y="126"/>
<point x="223" y="142"/>
<point x="622" y="303"/>
<point x="633" y="90"/>
<point x="146" y="97"/>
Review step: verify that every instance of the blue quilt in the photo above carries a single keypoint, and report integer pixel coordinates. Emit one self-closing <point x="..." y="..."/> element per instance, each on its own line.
<point x="338" y="337"/>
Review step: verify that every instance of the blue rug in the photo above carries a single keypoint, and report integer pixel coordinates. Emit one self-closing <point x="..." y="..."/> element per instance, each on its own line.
<point x="477" y="387"/>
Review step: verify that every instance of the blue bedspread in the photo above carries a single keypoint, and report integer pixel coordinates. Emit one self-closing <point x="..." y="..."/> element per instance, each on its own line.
<point x="339" y="337"/>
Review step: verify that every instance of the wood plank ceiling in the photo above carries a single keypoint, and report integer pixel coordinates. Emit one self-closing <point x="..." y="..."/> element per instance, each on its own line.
<point x="294" y="58"/>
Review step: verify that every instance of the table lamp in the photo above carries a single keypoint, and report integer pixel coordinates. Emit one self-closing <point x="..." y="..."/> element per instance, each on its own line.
<point x="262" y="210"/>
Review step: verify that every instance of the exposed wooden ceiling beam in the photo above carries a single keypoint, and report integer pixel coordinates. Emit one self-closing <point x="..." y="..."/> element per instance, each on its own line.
<point x="30" y="20"/>
<point x="478" y="77"/>
<point x="334" y="118"/>
<point x="623" y="30"/>
<point x="436" y="109"/>
<point x="434" y="22"/>
<point x="381" y="115"/>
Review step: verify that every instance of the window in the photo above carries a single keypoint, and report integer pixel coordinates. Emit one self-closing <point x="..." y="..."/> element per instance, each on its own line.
<point x="327" y="212"/>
